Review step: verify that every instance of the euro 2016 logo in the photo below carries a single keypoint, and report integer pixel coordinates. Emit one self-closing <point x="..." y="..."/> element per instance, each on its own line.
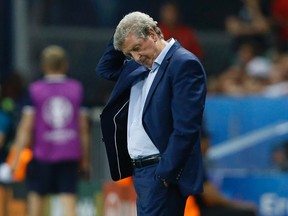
<point x="57" y="111"/>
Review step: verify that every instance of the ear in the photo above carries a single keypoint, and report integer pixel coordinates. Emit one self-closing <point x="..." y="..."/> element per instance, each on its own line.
<point x="153" y="35"/>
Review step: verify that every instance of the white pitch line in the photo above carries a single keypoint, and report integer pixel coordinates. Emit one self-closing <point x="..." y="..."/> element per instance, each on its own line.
<point x="242" y="142"/>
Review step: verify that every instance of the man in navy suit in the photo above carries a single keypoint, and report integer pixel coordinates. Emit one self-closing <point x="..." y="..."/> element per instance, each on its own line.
<point x="151" y="124"/>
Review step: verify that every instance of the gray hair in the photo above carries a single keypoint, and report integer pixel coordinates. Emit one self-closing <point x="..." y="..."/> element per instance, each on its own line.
<point x="137" y="23"/>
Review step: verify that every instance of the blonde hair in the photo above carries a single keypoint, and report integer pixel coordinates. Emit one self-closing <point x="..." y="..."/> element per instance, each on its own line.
<point x="53" y="57"/>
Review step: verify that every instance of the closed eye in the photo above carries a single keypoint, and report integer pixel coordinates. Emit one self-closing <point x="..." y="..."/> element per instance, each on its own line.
<point x="136" y="49"/>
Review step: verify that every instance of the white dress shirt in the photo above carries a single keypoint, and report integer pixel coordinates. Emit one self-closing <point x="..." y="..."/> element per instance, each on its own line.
<point x="139" y="143"/>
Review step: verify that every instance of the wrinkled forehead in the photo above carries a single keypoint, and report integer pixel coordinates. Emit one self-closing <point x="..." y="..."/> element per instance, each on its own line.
<point x="130" y="41"/>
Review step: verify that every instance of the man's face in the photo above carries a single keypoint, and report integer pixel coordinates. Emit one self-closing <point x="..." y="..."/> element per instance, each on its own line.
<point x="143" y="51"/>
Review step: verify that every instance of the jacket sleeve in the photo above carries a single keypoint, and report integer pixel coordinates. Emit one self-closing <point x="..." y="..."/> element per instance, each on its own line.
<point x="113" y="63"/>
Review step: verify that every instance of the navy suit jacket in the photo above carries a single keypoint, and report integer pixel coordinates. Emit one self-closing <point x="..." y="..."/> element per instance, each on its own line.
<point x="172" y="115"/>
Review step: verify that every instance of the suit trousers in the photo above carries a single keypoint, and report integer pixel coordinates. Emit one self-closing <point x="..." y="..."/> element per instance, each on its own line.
<point x="153" y="198"/>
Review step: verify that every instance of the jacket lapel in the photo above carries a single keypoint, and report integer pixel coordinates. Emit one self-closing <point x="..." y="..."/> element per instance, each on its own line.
<point x="125" y="82"/>
<point x="160" y="73"/>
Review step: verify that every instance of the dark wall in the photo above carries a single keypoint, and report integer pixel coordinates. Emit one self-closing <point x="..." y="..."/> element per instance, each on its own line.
<point x="209" y="15"/>
<point x="201" y="14"/>
<point x="5" y="38"/>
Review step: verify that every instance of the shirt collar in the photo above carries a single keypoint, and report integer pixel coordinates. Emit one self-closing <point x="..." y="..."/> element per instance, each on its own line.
<point x="162" y="55"/>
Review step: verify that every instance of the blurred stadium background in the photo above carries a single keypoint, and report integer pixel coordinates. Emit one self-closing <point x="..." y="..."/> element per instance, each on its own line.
<point x="244" y="130"/>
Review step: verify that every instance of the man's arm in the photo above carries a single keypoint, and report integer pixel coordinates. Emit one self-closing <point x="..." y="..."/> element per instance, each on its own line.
<point x="110" y="63"/>
<point x="23" y="135"/>
<point x="113" y="62"/>
<point x="85" y="141"/>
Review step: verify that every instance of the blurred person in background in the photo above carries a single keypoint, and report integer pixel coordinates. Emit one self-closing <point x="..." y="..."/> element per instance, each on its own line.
<point x="56" y="125"/>
<point x="280" y="24"/>
<point x="172" y="26"/>
<point x="279" y="156"/>
<point x="6" y="125"/>
<point x="14" y="88"/>
<point x="152" y="122"/>
<point x="248" y="74"/>
<point x="11" y="94"/>
<point x="229" y="82"/>
<point x="212" y="202"/>
<point x="6" y="137"/>
<point x="11" y="97"/>
<point x="251" y="24"/>
<point x="278" y="78"/>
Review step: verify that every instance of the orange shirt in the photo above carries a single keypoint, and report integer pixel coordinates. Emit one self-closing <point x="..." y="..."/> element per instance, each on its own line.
<point x="280" y="15"/>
